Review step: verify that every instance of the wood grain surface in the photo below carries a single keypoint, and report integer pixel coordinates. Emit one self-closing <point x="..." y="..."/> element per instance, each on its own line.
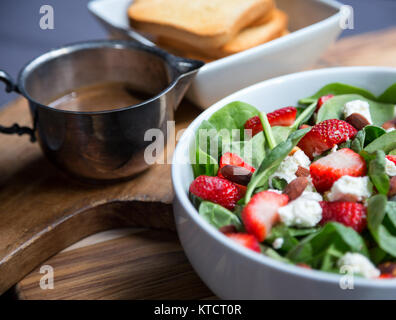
<point x="126" y="267"/>
<point x="42" y="211"/>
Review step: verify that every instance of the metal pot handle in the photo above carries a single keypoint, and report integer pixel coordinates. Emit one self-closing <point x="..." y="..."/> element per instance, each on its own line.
<point x="15" y="128"/>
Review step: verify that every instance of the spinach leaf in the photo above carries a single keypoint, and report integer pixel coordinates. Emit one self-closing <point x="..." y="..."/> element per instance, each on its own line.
<point x="386" y="142"/>
<point x="218" y="216"/>
<point x="272" y="161"/>
<point x="389" y="96"/>
<point x="372" y="133"/>
<point x="204" y="155"/>
<point x="377" y="172"/>
<point x="282" y="231"/>
<point x="304" y="116"/>
<point x="233" y="116"/>
<point x="252" y="151"/>
<point x="391" y="212"/>
<point x="280" y="133"/>
<point x="357" y="144"/>
<point x="279" y="183"/>
<point x="337" y="89"/>
<point x="314" y="249"/>
<point x="289" y="235"/>
<point x="364" y="137"/>
<point x="271" y="253"/>
<point x="334" y="109"/>
<point x="204" y="164"/>
<point x="376" y="214"/>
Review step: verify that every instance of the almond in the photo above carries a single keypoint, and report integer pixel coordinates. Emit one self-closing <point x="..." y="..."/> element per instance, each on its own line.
<point x="388" y="268"/>
<point x="239" y="175"/>
<point x="392" y="188"/>
<point x="302" y="172"/>
<point x="357" y="120"/>
<point x="294" y="150"/>
<point x="389" y="124"/>
<point x="228" y="229"/>
<point x="295" y="188"/>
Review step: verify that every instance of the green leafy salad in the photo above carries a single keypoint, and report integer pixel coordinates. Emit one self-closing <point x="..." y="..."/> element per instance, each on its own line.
<point x="312" y="185"/>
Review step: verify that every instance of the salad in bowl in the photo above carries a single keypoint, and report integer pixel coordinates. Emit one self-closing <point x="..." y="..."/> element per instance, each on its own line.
<point x="311" y="185"/>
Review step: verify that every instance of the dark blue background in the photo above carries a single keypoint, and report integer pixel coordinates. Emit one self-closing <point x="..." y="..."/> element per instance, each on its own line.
<point x="21" y="38"/>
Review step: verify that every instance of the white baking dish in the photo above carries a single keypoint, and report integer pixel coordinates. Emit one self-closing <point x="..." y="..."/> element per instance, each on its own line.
<point x="314" y="26"/>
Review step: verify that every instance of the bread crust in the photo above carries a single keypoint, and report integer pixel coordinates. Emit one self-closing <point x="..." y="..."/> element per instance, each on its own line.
<point x="206" y="24"/>
<point x="246" y="39"/>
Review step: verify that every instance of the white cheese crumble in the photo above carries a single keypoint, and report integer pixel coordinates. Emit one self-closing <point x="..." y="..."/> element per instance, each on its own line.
<point x="390" y="129"/>
<point x="358" y="264"/>
<point x="390" y="168"/>
<point x="278" y="243"/>
<point x="275" y="190"/>
<point x="287" y="169"/>
<point x="352" y="189"/>
<point x="304" y="212"/>
<point x="358" y="106"/>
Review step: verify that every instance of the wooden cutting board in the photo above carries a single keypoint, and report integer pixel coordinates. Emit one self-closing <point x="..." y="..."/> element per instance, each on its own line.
<point x="129" y="266"/>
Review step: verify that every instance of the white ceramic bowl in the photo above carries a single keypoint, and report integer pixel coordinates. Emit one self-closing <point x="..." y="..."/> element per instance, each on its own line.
<point x="314" y="26"/>
<point x="230" y="270"/>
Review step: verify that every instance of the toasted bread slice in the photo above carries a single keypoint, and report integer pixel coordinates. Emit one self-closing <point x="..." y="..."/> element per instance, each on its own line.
<point x="201" y="23"/>
<point x="266" y="17"/>
<point x="246" y="39"/>
<point x="251" y="37"/>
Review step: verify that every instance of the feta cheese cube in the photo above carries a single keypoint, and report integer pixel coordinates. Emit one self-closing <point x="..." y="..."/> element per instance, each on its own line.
<point x="390" y="168"/>
<point x="287" y="169"/>
<point x="304" y="212"/>
<point x="278" y="243"/>
<point x="358" y="106"/>
<point x="358" y="264"/>
<point x="352" y="189"/>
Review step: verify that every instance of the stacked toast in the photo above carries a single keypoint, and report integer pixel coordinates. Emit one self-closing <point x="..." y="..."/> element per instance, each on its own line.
<point x="208" y="29"/>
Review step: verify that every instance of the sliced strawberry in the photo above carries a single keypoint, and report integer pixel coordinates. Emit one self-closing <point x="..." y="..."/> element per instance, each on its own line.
<point x="322" y="100"/>
<point x="217" y="190"/>
<point x="246" y="240"/>
<point x="261" y="213"/>
<point x="391" y="158"/>
<point x="329" y="169"/>
<point x="325" y="135"/>
<point x="233" y="159"/>
<point x="350" y="214"/>
<point x="282" y="117"/>
<point x="254" y="124"/>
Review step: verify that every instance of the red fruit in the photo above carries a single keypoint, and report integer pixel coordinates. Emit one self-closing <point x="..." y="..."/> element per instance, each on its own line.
<point x="261" y="213"/>
<point x="391" y="158"/>
<point x="246" y="240"/>
<point x="217" y="190"/>
<point x="329" y="169"/>
<point x="324" y="135"/>
<point x="386" y="276"/>
<point x="254" y="124"/>
<point x="281" y="117"/>
<point x="322" y="100"/>
<point x="229" y="158"/>
<point x="233" y="159"/>
<point x="350" y="214"/>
